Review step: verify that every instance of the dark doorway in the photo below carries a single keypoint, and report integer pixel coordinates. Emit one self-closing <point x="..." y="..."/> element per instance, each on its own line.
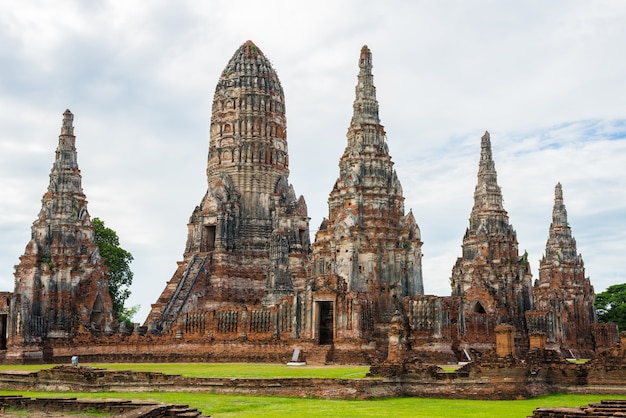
<point x="478" y="308"/>
<point x="3" y="332"/>
<point x="208" y="239"/>
<point x="326" y="322"/>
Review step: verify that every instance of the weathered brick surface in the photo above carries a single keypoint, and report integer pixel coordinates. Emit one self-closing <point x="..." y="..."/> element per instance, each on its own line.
<point x="563" y="292"/>
<point x="492" y="279"/>
<point x="61" y="281"/>
<point x="367" y="249"/>
<point x="248" y="239"/>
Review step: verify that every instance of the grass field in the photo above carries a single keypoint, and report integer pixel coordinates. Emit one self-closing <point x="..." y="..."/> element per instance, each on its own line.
<point x="223" y="369"/>
<point x="223" y="406"/>
<point x="269" y="406"/>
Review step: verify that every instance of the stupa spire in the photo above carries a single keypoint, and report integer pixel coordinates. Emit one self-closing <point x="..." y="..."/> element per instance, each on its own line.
<point x="67" y="128"/>
<point x="367" y="198"/>
<point x="61" y="279"/>
<point x="491" y="276"/>
<point x="561" y="245"/>
<point x="562" y="289"/>
<point x="365" y="107"/>
<point x="559" y="214"/>
<point x="487" y="195"/>
<point x="65" y="178"/>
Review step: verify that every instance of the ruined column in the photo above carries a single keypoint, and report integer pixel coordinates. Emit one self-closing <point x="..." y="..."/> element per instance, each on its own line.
<point x="505" y="340"/>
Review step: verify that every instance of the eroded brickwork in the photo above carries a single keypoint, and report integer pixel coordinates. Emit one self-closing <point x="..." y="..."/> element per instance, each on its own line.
<point x="491" y="278"/>
<point x="562" y="291"/>
<point x="367" y="249"/>
<point x="61" y="281"/>
<point x="248" y="240"/>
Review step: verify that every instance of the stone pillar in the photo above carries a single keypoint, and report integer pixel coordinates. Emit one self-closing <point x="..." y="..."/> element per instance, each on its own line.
<point x="395" y="335"/>
<point x="505" y="340"/>
<point x="537" y="340"/>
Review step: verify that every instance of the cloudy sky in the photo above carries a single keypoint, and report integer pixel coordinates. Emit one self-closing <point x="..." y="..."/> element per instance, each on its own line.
<point x="546" y="79"/>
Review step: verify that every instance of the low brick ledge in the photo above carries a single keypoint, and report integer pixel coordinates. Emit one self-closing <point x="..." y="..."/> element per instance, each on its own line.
<point x="493" y="383"/>
<point x="116" y="407"/>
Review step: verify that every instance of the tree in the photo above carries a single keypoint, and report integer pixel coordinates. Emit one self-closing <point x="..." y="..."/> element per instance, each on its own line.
<point x="118" y="261"/>
<point x="611" y="305"/>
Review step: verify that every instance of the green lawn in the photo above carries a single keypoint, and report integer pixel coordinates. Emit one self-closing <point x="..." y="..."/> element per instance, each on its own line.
<point x="266" y="406"/>
<point x="224" y="369"/>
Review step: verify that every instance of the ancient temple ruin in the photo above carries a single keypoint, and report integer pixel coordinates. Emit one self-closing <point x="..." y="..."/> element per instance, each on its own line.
<point x="367" y="254"/>
<point x="491" y="279"/>
<point x="251" y="287"/>
<point x="564" y="297"/>
<point x="248" y="240"/>
<point x="61" y="282"/>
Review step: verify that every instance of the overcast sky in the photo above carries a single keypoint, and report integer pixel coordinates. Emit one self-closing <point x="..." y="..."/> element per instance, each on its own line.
<point x="546" y="79"/>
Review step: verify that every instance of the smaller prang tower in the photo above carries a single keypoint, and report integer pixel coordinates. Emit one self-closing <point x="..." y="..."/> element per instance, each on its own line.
<point x="491" y="279"/>
<point x="248" y="240"/>
<point x="61" y="286"/>
<point x="562" y="290"/>
<point x="367" y="248"/>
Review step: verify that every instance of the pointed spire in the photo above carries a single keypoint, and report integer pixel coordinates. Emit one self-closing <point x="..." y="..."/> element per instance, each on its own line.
<point x="561" y="245"/>
<point x="65" y="167"/>
<point x="67" y="129"/>
<point x="61" y="278"/>
<point x="559" y="214"/>
<point x="65" y="178"/>
<point x="487" y="195"/>
<point x="365" y="107"/>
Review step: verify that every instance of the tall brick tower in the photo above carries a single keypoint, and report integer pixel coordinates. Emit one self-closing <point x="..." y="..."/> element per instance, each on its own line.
<point x="562" y="289"/>
<point x="368" y="247"/>
<point x="491" y="278"/>
<point x="60" y="283"/>
<point x="248" y="240"/>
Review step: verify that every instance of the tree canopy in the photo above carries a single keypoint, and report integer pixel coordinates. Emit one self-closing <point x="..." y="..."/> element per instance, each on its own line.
<point x="611" y="305"/>
<point x="118" y="261"/>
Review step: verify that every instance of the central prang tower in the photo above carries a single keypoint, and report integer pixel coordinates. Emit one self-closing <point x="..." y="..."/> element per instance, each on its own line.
<point x="248" y="239"/>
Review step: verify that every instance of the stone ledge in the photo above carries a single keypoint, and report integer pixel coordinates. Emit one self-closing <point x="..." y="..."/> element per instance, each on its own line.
<point x="118" y="408"/>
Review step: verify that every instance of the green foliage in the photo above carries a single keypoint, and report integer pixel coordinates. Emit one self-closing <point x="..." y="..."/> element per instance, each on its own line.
<point x="127" y="314"/>
<point x="46" y="258"/>
<point x="524" y="260"/>
<point x="118" y="261"/>
<point x="611" y="305"/>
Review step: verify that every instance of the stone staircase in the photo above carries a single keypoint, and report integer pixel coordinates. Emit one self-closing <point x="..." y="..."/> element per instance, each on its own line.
<point x="183" y="289"/>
